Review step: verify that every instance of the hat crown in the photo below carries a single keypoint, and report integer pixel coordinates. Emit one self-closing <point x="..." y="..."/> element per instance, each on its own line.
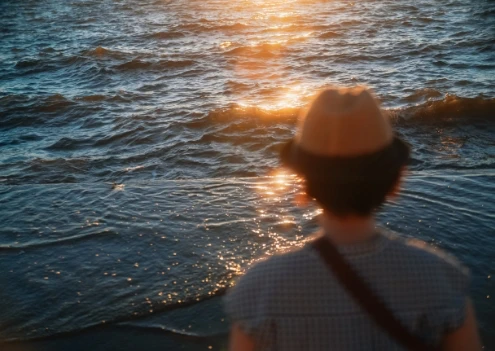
<point x="344" y="122"/>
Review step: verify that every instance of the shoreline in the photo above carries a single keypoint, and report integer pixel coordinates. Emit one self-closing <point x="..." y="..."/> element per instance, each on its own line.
<point x="122" y="338"/>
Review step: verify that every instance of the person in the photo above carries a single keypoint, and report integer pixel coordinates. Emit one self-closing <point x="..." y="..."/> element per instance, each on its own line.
<point x="351" y="161"/>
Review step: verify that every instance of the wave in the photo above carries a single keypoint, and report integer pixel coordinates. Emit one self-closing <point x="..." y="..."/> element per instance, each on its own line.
<point x="422" y="94"/>
<point x="11" y="99"/>
<point x="451" y="108"/>
<point x="63" y="241"/>
<point x="209" y="26"/>
<point x="100" y="51"/>
<point x="122" y="135"/>
<point x="329" y="35"/>
<point x="174" y="331"/>
<point x="93" y="98"/>
<point x="39" y="109"/>
<point x="20" y="110"/>
<point x="262" y="50"/>
<point x="135" y="316"/>
<point x="486" y="13"/>
<point x="87" y="58"/>
<point x="166" y="35"/>
<point x="242" y="117"/>
<point x="231" y="27"/>
<point x="125" y="97"/>
<point x="293" y="28"/>
<point x="50" y="63"/>
<point x="28" y="63"/>
<point x="234" y="86"/>
<point x="242" y="130"/>
<point x="136" y="135"/>
<point x="138" y="64"/>
<point x="66" y="144"/>
<point x="352" y="22"/>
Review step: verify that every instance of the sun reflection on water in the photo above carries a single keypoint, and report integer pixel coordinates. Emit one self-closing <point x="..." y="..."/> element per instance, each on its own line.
<point x="261" y="60"/>
<point x="277" y="228"/>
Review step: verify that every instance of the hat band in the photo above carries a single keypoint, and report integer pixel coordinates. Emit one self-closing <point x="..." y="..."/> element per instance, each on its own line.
<point x="363" y="168"/>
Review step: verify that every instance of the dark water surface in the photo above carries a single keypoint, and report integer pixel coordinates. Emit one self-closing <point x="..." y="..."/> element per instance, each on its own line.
<point x="184" y="105"/>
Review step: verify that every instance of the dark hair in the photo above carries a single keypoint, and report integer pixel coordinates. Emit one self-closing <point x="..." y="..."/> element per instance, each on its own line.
<point x="360" y="198"/>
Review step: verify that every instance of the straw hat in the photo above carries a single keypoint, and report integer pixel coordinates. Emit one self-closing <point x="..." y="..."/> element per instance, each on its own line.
<point x="344" y="137"/>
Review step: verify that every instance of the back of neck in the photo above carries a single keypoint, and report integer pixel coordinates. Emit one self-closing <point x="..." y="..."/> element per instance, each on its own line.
<point x="349" y="229"/>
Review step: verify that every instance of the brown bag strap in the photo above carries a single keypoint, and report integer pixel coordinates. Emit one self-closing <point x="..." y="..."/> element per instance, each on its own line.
<point x="366" y="298"/>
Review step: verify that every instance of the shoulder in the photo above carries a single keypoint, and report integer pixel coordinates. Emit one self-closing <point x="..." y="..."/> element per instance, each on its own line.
<point x="254" y="290"/>
<point x="441" y="279"/>
<point x="429" y="261"/>
<point x="420" y="250"/>
<point x="270" y="269"/>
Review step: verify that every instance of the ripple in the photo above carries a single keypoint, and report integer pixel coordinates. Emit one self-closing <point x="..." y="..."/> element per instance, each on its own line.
<point x="167" y="35"/>
<point x="138" y="64"/>
<point x="27" y="63"/>
<point x="330" y="35"/>
<point x="172" y="244"/>
<point x="15" y="247"/>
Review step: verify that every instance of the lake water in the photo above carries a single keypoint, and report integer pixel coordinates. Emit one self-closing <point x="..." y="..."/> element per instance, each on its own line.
<point x="139" y="144"/>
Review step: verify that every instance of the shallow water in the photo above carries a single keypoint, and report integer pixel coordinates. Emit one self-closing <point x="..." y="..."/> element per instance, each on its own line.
<point x="140" y="254"/>
<point x="184" y="105"/>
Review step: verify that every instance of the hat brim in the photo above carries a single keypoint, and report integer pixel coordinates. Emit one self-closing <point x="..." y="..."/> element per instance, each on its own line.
<point x="336" y="169"/>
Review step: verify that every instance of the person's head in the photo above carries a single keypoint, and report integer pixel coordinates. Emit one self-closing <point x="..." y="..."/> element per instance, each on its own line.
<point x="347" y="152"/>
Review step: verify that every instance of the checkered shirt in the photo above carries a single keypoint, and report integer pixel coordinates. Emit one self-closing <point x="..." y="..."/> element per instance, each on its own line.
<point x="292" y="301"/>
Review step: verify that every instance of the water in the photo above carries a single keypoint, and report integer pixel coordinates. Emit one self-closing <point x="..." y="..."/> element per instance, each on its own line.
<point x="136" y="141"/>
